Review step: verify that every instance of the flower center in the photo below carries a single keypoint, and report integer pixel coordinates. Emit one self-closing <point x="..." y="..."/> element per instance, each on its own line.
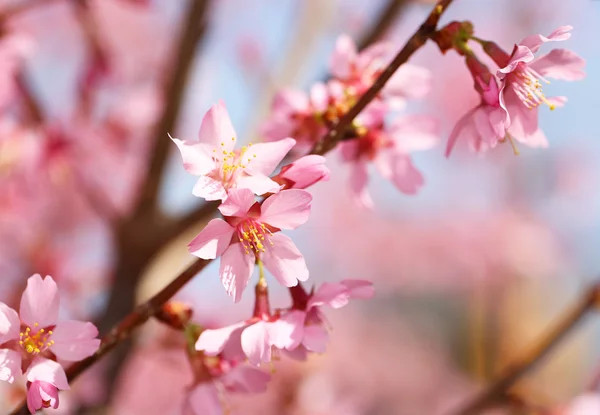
<point x="526" y="84"/>
<point x="35" y="342"/>
<point x="253" y="236"/>
<point x="232" y="162"/>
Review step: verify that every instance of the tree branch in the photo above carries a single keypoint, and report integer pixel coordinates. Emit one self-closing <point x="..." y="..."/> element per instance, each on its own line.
<point x="497" y="391"/>
<point x="416" y="41"/>
<point x="174" y="90"/>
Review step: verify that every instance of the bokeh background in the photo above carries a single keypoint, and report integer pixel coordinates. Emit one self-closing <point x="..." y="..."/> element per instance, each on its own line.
<point x="467" y="273"/>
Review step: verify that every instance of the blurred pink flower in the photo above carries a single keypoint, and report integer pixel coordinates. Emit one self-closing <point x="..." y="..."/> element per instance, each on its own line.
<point x="33" y="333"/>
<point x="389" y="149"/>
<point x="220" y="167"/>
<point x="249" y="231"/>
<point x="586" y="404"/>
<point x="521" y="90"/>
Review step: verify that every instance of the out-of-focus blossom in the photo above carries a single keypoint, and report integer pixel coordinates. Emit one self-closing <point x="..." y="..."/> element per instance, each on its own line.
<point x="587" y="404"/>
<point x="250" y="232"/>
<point x="389" y="149"/>
<point x="220" y="167"/>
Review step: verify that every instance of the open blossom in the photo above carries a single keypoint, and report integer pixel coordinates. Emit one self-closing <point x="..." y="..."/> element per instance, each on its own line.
<point x="522" y="76"/>
<point x="389" y="149"/>
<point x="250" y="231"/>
<point x="221" y="167"/>
<point x="28" y="340"/>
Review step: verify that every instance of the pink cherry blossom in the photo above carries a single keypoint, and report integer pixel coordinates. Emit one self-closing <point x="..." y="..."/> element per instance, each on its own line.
<point x="586" y="404"/>
<point x="220" y="167"/>
<point x="389" y="149"/>
<point x="250" y="231"/>
<point x="303" y="325"/>
<point x="521" y="91"/>
<point x="28" y="337"/>
<point x="303" y="172"/>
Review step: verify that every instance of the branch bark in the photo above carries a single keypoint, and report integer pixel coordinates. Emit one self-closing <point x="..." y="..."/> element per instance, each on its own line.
<point x="497" y="391"/>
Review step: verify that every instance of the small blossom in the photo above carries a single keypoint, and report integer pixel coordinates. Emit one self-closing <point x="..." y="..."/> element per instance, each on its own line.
<point x="303" y="172"/>
<point x="45" y="377"/>
<point x="220" y="167"/>
<point x="250" y="231"/>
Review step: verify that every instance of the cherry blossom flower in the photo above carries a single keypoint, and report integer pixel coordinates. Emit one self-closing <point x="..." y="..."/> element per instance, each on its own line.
<point x="29" y="338"/>
<point x="250" y="232"/>
<point x="303" y="172"/>
<point x="220" y="167"/>
<point x="521" y="77"/>
<point x="389" y="149"/>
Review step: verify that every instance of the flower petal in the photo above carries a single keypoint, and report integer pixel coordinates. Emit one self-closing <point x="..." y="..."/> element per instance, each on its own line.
<point x="204" y="399"/>
<point x="74" y="340"/>
<point x="10" y="365"/>
<point x="343" y="57"/>
<point x="245" y="379"/>
<point x="288" y="330"/>
<point x="404" y="175"/>
<point x="335" y="295"/>
<point x="40" y="302"/>
<point x="362" y="289"/>
<point x="238" y="203"/>
<point x="259" y="184"/>
<point x="520" y="54"/>
<point x="358" y="185"/>
<point x="212" y="342"/>
<point x="560" y="64"/>
<point x="216" y="130"/>
<point x="534" y="42"/>
<point x="409" y="81"/>
<point x="315" y="338"/>
<point x="197" y="157"/>
<point x="256" y="343"/>
<point x="9" y="324"/>
<point x="213" y="240"/>
<point x="265" y="157"/>
<point x="284" y="261"/>
<point x="415" y="133"/>
<point x="48" y="371"/>
<point x="209" y="189"/>
<point x="305" y="171"/>
<point x="287" y="209"/>
<point x="235" y="270"/>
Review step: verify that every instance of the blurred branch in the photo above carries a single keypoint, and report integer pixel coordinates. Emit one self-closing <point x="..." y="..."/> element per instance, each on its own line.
<point x="384" y="21"/>
<point x="497" y="391"/>
<point x="183" y="223"/>
<point x="143" y="312"/>
<point x="194" y="28"/>
<point x="33" y="109"/>
<point x="416" y="41"/>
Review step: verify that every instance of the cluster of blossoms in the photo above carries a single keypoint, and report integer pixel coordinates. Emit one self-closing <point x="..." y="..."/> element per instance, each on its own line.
<point x="510" y="97"/>
<point x="33" y="339"/>
<point x="247" y="236"/>
<point x="374" y="136"/>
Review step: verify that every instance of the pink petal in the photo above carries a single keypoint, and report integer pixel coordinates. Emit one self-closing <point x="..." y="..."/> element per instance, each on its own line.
<point x="331" y="294"/>
<point x="560" y="64"/>
<point x="74" y="340"/>
<point x="265" y="157"/>
<point x="299" y="353"/>
<point x="521" y="54"/>
<point x="288" y="330"/>
<point x="238" y="203"/>
<point x="259" y="184"/>
<point x="216" y="129"/>
<point x="9" y="324"/>
<point x="349" y="150"/>
<point x="586" y="404"/>
<point x="415" y="133"/>
<point x="362" y="289"/>
<point x="197" y="157"/>
<point x="358" y="185"/>
<point x="486" y="133"/>
<point x="213" y="240"/>
<point x="315" y="338"/>
<point x="410" y="81"/>
<point x="245" y="379"/>
<point x="39" y="303"/>
<point x="284" y="261"/>
<point x="287" y="209"/>
<point x="289" y="101"/>
<point x="343" y="56"/>
<point x="48" y="371"/>
<point x="256" y="343"/>
<point x="10" y="365"/>
<point x="534" y="42"/>
<point x="209" y="189"/>
<point x="212" y="342"/>
<point x="39" y="392"/>
<point x="235" y="270"/>
<point x="34" y="398"/>
<point x="405" y="176"/>
<point x="319" y="97"/>
<point x="204" y="399"/>
<point x="306" y="171"/>
<point x="464" y="127"/>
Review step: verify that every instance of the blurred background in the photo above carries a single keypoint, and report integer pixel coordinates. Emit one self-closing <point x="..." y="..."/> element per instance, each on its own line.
<point x="468" y="272"/>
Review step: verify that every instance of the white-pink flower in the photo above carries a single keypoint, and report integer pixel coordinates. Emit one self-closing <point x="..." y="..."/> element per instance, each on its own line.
<point x="250" y="231"/>
<point x="220" y="167"/>
<point x="303" y="172"/>
<point x="29" y="338"/>
<point x="522" y="79"/>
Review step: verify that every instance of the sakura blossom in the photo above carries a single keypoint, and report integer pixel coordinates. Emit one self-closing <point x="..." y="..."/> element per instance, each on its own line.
<point x="220" y="167"/>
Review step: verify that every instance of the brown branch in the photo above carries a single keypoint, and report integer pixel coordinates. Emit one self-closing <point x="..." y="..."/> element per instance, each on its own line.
<point x="138" y="317"/>
<point x="498" y="390"/>
<point x="174" y="89"/>
<point x="416" y="41"/>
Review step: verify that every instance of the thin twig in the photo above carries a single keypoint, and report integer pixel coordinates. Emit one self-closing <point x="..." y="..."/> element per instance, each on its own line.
<point x="497" y="391"/>
<point x="416" y="41"/>
<point x="174" y="89"/>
